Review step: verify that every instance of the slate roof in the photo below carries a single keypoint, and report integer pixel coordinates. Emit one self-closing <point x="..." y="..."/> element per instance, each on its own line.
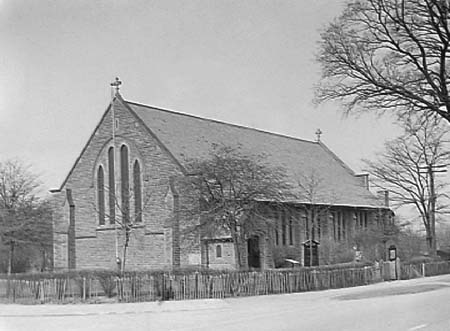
<point x="187" y="137"/>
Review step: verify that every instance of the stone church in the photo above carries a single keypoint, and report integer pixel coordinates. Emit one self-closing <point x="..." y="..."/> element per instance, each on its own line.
<point x="147" y="157"/>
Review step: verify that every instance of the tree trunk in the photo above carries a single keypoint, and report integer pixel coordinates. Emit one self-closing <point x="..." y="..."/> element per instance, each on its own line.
<point x="11" y="257"/>
<point x="430" y="236"/>
<point x="433" y="247"/>
<point x="124" y="256"/>
<point x="236" y="245"/>
<point x="44" y="259"/>
<point x="125" y="246"/>
<point x="433" y="213"/>
<point x="311" y="237"/>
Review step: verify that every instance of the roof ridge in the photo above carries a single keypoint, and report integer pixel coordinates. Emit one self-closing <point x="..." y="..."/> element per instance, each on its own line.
<point x="222" y="122"/>
<point x="91" y="136"/>
<point x="337" y="158"/>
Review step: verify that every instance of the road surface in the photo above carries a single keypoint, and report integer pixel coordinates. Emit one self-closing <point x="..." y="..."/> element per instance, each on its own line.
<point x="420" y="304"/>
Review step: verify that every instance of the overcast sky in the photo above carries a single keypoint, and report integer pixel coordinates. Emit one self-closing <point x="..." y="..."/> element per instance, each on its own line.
<point x="243" y="62"/>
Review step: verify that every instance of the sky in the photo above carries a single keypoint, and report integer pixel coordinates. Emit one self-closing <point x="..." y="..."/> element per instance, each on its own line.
<point x="243" y="62"/>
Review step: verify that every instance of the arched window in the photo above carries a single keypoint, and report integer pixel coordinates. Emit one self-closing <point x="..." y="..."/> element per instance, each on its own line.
<point x="137" y="191"/>
<point x="125" y="184"/>
<point x="219" y="251"/>
<point x="112" y="186"/>
<point x="101" y="195"/>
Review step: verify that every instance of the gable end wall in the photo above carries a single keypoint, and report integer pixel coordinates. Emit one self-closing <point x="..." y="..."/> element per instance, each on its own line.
<point x="95" y="245"/>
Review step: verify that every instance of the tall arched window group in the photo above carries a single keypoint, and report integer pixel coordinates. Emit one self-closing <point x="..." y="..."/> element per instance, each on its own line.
<point x="122" y="203"/>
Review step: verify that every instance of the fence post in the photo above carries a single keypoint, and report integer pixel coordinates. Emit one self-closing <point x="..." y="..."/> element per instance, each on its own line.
<point x="84" y="288"/>
<point x="41" y="284"/>
<point x="423" y="269"/>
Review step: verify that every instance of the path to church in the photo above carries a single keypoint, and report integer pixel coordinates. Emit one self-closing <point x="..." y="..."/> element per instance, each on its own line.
<point x="420" y="304"/>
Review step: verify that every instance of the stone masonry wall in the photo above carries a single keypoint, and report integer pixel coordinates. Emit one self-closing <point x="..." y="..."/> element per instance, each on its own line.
<point x="187" y="217"/>
<point x="226" y="258"/>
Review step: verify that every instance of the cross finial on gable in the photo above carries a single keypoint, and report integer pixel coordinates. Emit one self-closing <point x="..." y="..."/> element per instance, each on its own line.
<point x="318" y="133"/>
<point x="116" y="85"/>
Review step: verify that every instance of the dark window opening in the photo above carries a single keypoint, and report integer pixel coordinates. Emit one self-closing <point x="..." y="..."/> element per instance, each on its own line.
<point x="112" y="186"/>
<point x="306" y="224"/>
<point x="218" y="251"/>
<point x="339" y="226"/>
<point x="344" y="234"/>
<point x="291" y="230"/>
<point x="137" y="192"/>
<point x="319" y="229"/>
<point x="101" y="195"/>
<point x="125" y="184"/>
<point x="333" y="223"/>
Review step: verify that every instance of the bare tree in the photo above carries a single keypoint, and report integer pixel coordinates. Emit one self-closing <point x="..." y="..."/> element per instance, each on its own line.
<point x="123" y="220"/>
<point x="406" y="168"/>
<point x="387" y="55"/>
<point x="24" y="218"/>
<point x="233" y="187"/>
<point x="313" y="195"/>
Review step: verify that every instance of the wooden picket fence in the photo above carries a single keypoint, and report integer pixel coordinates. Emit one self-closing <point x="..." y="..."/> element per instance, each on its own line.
<point x="416" y="270"/>
<point x="54" y="290"/>
<point x="170" y="286"/>
<point x="413" y="270"/>
<point x="437" y="268"/>
<point x="149" y="286"/>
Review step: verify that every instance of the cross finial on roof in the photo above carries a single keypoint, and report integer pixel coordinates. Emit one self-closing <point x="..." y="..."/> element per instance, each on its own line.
<point x="318" y="133"/>
<point x="116" y="85"/>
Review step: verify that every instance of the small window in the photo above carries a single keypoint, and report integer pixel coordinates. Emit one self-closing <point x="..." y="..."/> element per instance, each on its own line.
<point x="219" y="251"/>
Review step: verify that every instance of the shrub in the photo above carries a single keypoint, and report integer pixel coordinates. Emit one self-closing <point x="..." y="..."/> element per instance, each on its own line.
<point x="281" y="253"/>
<point x="107" y="280"/>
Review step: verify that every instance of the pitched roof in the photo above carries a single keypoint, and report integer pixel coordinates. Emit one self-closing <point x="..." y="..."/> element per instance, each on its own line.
<point x="188" y="137"/>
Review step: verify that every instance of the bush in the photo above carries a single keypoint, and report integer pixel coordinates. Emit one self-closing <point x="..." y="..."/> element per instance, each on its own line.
<point x="281" y="253"/>
<point x="107" y="281"/>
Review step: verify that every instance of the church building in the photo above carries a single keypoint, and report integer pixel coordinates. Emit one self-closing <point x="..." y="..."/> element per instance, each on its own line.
<point x="133" y="170"/>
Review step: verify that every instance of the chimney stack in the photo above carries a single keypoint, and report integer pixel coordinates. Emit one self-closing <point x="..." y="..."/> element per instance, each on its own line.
<point x="364" y="179"/>
<point x="384" y="195"/>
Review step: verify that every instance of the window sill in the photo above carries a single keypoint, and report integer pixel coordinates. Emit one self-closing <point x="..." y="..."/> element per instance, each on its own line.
<point x="105" y="227"/>
<point x="110" y="227"/>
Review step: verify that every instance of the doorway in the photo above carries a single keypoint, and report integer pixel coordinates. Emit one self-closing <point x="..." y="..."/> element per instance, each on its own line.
<point x="311" y="253"/>
<point x="254" y="259"/>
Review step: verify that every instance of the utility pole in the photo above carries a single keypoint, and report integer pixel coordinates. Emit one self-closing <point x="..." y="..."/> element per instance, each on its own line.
<point x="430" y="170"/>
